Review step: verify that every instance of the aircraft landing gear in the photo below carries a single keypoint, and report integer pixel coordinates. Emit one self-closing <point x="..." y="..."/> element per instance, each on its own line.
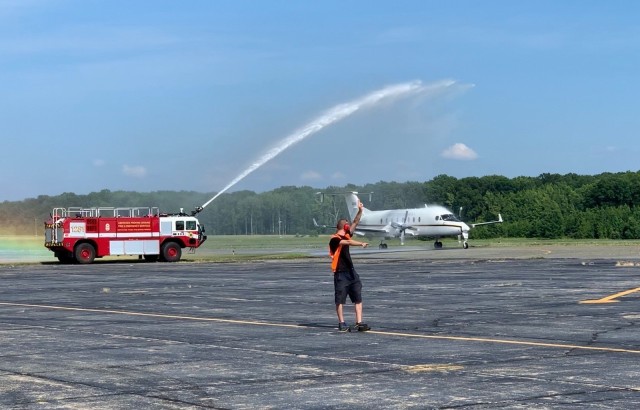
<point x="437" y="245"/>
<point x="382" y="245"/>
<point x="465" y="245"/>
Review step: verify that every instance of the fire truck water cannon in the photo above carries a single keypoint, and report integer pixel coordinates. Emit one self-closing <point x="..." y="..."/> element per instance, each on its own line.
<point x="80" y="235"/>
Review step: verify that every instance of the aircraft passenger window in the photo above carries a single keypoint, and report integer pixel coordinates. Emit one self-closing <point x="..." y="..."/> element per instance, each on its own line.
<point x="179" y="225"/>
<point x="418" y="219"/>
<point x="380" y="221"/>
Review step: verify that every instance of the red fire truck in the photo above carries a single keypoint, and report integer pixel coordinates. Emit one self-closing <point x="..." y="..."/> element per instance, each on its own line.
<point x="83" y="234"/>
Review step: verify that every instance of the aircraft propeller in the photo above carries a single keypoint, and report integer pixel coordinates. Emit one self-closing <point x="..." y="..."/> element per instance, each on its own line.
<point x="402" y="227"/>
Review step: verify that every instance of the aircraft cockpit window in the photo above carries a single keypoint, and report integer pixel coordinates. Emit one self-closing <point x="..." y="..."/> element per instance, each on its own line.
<point x="449" y="217"/>
<point x="437" y="217"/>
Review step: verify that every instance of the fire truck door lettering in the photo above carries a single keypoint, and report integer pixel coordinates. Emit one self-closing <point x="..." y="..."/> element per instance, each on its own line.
<point x="134" y="225"/>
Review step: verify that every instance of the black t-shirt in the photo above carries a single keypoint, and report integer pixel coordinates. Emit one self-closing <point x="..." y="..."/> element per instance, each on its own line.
<point x="344" y="263"/>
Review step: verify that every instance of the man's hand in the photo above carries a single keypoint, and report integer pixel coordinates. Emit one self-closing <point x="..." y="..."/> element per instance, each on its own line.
<point x="356" y="220"/>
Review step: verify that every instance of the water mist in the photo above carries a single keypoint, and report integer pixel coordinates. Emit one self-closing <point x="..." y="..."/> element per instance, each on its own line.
<point x="336" y="114"/>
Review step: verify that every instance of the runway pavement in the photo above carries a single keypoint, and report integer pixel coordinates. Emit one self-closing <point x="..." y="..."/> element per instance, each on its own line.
<point x="450" y="330"/>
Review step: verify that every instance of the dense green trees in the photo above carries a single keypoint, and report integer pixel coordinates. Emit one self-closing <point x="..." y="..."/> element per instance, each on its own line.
<point x="546" y="206"/>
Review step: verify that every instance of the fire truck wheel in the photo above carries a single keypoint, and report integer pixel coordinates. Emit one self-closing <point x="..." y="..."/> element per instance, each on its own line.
<point x="65" y="257"/>
<point x="171" y="252"/>
<point x="85" y="253"/>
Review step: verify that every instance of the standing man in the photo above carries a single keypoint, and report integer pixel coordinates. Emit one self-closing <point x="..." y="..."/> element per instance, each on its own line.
<point x="345" y="278"/>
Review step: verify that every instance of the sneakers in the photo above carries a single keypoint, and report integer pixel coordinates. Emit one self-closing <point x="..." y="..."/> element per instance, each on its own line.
<point x="361" y="327"/>
<point x="358" y="327"/>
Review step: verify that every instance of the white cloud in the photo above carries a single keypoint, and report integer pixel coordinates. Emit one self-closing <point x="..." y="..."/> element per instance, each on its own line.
<point x="311" y="175"/>
<point x="338" y="175"/>
<point x="99" y="162"/>
<point x="459" y="151"/>
<point x="137" y="171"/>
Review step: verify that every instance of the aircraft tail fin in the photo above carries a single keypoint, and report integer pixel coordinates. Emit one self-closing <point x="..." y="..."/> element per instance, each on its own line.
<point x="352" y="204"/>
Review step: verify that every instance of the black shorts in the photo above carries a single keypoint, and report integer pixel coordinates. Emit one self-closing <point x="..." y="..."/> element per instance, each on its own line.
<point x="347" y="283"/>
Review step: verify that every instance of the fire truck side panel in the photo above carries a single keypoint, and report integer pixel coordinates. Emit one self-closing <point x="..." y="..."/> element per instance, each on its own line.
<point x="128" y="227"/>
<point x="106" y="227"/>
<point x="135" y="247"/>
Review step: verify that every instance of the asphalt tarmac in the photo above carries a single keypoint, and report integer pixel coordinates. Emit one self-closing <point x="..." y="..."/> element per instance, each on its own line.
<point x="474" y="329"/>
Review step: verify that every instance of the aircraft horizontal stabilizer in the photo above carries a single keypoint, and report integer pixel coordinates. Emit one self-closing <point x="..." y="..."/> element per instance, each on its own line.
<point x="317" y="225"/>
<point x="499" y="221"/>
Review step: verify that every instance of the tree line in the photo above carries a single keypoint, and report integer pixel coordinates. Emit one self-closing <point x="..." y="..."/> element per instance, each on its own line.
<point x="604" y="206"/>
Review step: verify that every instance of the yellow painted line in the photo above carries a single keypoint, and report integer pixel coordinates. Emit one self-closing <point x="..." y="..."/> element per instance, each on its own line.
<point x="375" y="332"/>
<point x="611" y="298"/>
<point x="508" y="342"/>
<point x="421" y="368"/>
<point x="157" y="315"/>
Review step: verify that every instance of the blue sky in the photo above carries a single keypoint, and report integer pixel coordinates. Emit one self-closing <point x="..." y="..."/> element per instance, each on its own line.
<point x="163" y="95"/>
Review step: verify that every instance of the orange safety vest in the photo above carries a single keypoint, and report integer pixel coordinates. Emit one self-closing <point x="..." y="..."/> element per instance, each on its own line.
<point x="336" y="255"/>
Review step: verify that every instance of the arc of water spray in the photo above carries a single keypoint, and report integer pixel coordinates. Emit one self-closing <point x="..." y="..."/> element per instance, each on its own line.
<point x="333" y="115"/>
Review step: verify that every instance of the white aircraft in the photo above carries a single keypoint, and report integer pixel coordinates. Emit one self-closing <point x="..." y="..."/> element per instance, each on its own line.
<point x="432" y="221"/>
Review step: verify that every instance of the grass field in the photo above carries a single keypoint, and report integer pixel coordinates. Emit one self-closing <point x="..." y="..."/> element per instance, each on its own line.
<point x="239" y="247"/>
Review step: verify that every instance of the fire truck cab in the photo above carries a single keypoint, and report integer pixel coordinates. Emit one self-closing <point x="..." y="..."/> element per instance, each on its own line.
<point x="83" y="234"/>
